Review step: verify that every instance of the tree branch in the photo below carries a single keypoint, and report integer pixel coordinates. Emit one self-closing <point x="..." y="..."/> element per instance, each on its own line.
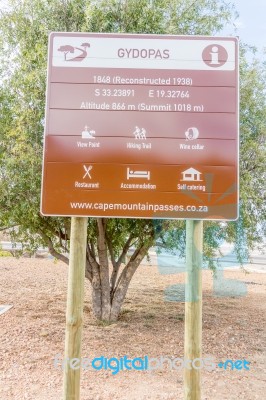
<point x="117" y="264"/>
<point x="125" y="250"/>
<point x="94" y="266"/>
<point x="132" y="265"/>
<point x="51" y="248"/>
<point x="7" y="227"/>
<point x="92" y="249"/>
<point x="125" y="279"/>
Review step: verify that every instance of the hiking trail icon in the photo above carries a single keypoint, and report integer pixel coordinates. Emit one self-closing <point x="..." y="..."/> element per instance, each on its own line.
<point x="68" y="49"/>
<point x="140" y="133"/>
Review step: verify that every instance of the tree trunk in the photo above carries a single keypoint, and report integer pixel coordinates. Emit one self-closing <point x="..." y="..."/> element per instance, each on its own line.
<point x="109" y="290"/>
<point x="104" y="270"/>
<point x="121" y="291"/>
<point x="96" y="298"/>
<point x="107" y="307"/>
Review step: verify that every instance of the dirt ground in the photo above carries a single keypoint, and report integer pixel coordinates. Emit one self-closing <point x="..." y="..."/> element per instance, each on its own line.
<point x="32" y="334"/>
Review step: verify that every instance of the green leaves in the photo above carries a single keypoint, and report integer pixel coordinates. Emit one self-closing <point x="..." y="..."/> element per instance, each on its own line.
<point x="24" y="31"/>
<point x="182" y="17"/>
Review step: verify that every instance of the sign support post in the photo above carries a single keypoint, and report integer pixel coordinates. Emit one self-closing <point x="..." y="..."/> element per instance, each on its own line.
<point x="193" y="309"/>
<point x="113" y="102"/>
<point x="74" y="313"/>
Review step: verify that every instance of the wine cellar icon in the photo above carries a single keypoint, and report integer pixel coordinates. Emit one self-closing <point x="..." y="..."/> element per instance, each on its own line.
<point x="192" y="133"/>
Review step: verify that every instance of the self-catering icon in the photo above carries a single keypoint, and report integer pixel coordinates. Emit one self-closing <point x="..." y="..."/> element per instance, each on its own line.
<point x="191" y="175"/>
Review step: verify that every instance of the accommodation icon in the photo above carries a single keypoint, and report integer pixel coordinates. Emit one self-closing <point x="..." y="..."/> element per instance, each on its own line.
<point x="191" y="175"/>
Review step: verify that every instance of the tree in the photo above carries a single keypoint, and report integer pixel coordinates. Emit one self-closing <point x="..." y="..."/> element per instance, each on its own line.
<point x="66" y="49"/>
<point x="252" y="148"/>
<point x="24" y="34"/>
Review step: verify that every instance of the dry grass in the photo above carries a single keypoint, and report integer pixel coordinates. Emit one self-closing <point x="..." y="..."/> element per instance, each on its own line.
<point x="32" y="333"/>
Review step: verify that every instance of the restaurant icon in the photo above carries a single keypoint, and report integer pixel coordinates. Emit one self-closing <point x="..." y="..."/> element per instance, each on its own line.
<point x="191" y="175"/>
<point x="87" y="171"/>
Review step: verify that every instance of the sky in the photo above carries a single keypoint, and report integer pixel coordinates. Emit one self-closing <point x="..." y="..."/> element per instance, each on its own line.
<point x="251" y="24"/>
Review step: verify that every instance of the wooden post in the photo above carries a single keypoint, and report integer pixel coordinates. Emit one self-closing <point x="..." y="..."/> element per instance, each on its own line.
<point x="193" y="308"/>
<point x="74" y="313"/>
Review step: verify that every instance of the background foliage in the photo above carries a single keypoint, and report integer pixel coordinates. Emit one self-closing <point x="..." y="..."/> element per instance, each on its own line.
<point x="24" y="27"/>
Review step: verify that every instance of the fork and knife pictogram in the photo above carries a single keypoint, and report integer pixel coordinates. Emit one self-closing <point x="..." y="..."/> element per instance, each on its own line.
<point x="87" y="171"/>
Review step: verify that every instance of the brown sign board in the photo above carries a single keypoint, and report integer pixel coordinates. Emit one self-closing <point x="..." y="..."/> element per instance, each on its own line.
<point x="141" y="126"/>
<point x="139" y="98"/>
<point x="161" y="124"/>
<point x="152" y="150"/>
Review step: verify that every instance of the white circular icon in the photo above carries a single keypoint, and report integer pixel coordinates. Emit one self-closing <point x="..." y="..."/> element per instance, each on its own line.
<point x="192" y="133"/>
